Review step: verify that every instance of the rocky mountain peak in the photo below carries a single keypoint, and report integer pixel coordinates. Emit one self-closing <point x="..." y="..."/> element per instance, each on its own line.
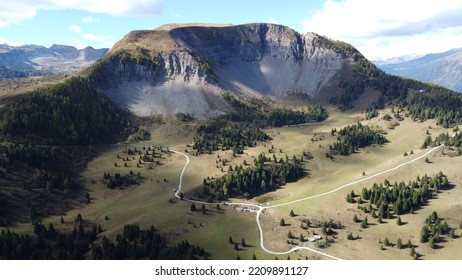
<point x="185" y="67"/>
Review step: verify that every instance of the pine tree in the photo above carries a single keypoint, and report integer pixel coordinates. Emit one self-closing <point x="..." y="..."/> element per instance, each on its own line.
<point x="398" y="221"/>
<point x="243" y="243"/>
<point x="238" y="257"/>
<point x="399" y="243"/>
<point x="203" y="209"/>
<point x="355" y="218"/>
<point x="193" y="207"/>
<point x="62" y="220"/>
<point x="282" y="222"/>
<point x="386" y="242"/>
<point x="254" y="257"/>
<point x="236" y="247"/>
<point x="292" y="214"/>
<point x="230" y="240"/>
<point x="350" y="236"/>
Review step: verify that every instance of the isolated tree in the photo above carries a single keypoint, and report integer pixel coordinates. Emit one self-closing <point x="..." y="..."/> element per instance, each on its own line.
<point x="203" y="209"/>
<point x="301" y="238"/>
<point x="62" y="220"/>
<point x="409" y="243"/>
<point x="243" y="243"/>
<point x="193" y="207"/>
<point x="230" y="240"/>
<point x="398" y="221"/>
<point x="254" y="257"/>
<point x="386" y="242"/>
<point x="282" y="222"/>
<point x="236" y="247"/>
<point x="399" y="243"/>
<point x="238" y="258"/>
<point x="290" y="235"/>
<point x="355" y="218"/>
<point x="350" y="236"/>
<point x="181" y="196"/>
<point x="292" y="214"/>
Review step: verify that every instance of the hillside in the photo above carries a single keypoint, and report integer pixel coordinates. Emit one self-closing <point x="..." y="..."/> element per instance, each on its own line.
<point x="444" y="69"/>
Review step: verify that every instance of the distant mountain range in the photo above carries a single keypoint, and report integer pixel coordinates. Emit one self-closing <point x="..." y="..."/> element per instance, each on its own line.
<point x="444" y="69"/>
<point x="20" y="61"/>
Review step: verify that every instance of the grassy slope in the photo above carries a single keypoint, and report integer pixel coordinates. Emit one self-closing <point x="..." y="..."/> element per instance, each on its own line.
<point x="148" y="203"/>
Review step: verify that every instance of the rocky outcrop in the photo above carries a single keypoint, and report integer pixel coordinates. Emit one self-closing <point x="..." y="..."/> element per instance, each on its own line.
<point x="185" y="69"/>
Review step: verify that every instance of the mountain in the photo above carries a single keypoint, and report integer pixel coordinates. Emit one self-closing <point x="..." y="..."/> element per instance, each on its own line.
<point x="21" y="60"/>
<point x="444" y="69"/>
<point x="184" y="68"/>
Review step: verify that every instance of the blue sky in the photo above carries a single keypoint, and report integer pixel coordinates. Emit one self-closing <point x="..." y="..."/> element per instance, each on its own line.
<point x="379" y="29"/>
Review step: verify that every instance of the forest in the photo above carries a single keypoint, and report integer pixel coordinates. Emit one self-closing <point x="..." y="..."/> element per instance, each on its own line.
<point x="356" y="136"/>
<point x="70" y="112"/>
<point x="400" y="198"/>
<point x="46" y="243"/>
<point x="445" y="108"/>
<point x="266" y="175"/>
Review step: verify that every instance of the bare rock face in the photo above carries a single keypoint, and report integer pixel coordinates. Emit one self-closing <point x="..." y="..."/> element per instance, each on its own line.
<point x="185" y="68"/>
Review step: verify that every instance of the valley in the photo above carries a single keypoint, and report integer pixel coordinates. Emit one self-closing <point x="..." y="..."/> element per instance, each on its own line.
<point x="179" y="137"/>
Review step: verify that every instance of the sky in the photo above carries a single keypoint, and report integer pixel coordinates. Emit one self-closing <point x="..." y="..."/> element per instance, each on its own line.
<point x="379" y="29"/>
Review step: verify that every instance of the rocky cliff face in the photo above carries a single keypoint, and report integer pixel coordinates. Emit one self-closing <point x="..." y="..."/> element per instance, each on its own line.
<point x="185" y="69"/>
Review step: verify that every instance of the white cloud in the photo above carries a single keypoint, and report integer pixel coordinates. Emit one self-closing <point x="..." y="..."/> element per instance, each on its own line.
<point x="13" y="12"/>
<point x="9" y="42"/>
<point x="89" y="19"/>
<point x="80" y="44"/>
<point x="92" y="37"/>
<point x="393" y="27"/>
<point x="75" y="28"/>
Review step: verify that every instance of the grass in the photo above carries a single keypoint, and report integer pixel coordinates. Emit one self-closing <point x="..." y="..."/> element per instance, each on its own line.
<point x="148" y="204"/>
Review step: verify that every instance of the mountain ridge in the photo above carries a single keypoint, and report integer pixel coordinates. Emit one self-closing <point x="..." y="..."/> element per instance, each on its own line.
<point x="22" y="60"/>
<point x="444" y="68"/>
